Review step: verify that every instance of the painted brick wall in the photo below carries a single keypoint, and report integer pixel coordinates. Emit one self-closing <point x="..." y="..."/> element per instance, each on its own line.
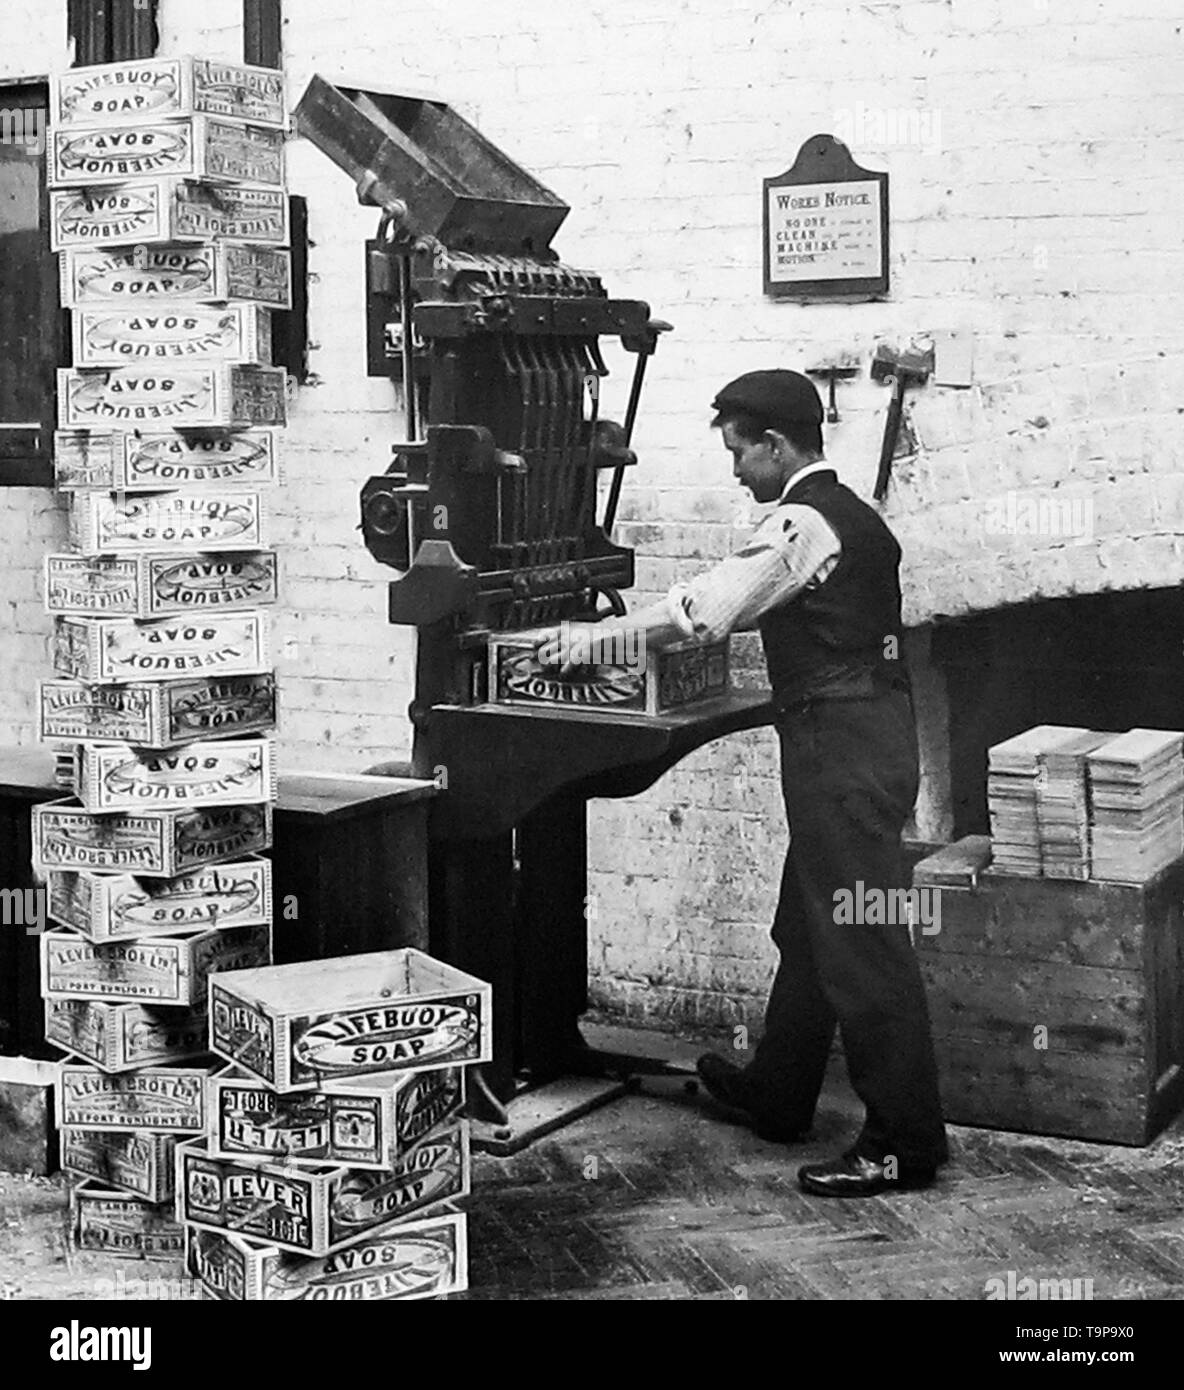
<point x="1036" y="180"/>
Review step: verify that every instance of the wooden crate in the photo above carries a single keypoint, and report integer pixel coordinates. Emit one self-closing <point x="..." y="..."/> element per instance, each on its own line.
<point x="313" y="1211"/>
<point x="360" y="1122"/>
<point x="156" y="335"/>
<point x="149" y="970"/>
<point x="158" y="844"/>
<point x="170" y="210"/>
<point x="298" y="1026"/>
<point x="413" y="1260"/>
<point x="159" y="586"/>
<point x="143" y="1164"/>
<point x="174" y="523"/>
<point x="1058" y="1007"/>
<point x="186" y="395"/>
<point x="201" y="146"/>
<point x="146" y="275"/>
<point x="124" y="1037"/>
<point x="118" y="777"/>
<point x="170" y="1100"/>
<point x="116" y="651"/>
<point x="118" y="1223"/>
<point x="155" y="460"/>
<point x="123" y="907"/>
<point x="158" y="714"/>
<point x="145" y="88"/>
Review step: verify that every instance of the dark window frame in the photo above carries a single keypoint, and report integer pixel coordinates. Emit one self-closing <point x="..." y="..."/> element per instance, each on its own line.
<point x="26" y="455"/>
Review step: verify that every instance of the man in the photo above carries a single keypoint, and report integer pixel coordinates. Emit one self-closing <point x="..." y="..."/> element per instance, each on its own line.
<point x="820" y="579"/>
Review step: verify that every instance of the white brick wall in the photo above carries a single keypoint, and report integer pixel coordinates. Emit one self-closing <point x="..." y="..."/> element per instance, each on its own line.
<point x="1040" y="211"/>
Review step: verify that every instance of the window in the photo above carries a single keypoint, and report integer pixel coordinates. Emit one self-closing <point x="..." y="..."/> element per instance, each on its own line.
<point x="31" y="337"/>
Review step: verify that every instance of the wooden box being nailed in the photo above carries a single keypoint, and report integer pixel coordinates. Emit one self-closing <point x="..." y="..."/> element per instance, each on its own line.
<point x="189" y="395"/>
<point x="160" y="586"/>
<point x="122" y="907"/>
<point x="124" y="1037"/>
<point x="148" y="88"/>
<point x="158" y="714"/>
<point x="141" y="1163"/>
<point x="154" y="460"/>
<point x="156" y="335"/>
<point x="142" y="522"/>
<point x="314" y="1211"/>
<point x="118" y="1223"/>
<point x="171" y="1100"/>
<point x="151" y="970"/>
<point x="300" y="1026"/>
<point x="118" y="777"/>
<point x="413" y="1260"/>
<point x="167" y="210"/>
<point x="656" y="682"/>
<point x="117" y="651"/>
<point x="147" y="275"/>
<point x="360" y="1122"/>
<point x="194" y="146"/>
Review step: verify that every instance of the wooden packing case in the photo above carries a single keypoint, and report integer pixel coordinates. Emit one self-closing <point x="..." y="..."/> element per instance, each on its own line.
<point x="125" y="1037"/>
<point x="185" y="395"/>
<point x="297" y="1027"/>
<point x="96" y="277"/>
<point x="193" y="146"/>
<point x="158" y="335"/>
<point x="160" y="586"/>
<point x="116" y="651"/>
<point x="167" y="210"/>
<point x="170" y="1100"/>
<point x="103" y="524"/>
<point x="118" y="777"/>
<point x="158" y="714"/>
<point x="140" y="1163"/>
<point x="118" y="1223"/>
<point x="157" y="460"/>
<point x="150" y="88"/>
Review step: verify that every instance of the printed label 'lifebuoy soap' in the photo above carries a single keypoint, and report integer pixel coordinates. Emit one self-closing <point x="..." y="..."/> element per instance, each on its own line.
<point x="160" y="586"/>
<point x="205" y="521"/>
<point x="198" y="146"/>
<point x="167" y="210"/>
<point x="146" y="275"/>
<point x="118" y="651"/>
<point x="186" y="395"/>
<point x="118" y="777"/>
<point x="148" y="88"/>
<point x="156" y="460"/>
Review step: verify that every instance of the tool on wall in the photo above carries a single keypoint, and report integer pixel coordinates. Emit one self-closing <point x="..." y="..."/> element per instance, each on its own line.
<point x="910" y="367"/>
<point x="843" y="367"/>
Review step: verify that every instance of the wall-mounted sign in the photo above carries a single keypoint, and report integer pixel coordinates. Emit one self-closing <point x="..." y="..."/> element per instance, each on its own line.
<point x="826" y="226"/>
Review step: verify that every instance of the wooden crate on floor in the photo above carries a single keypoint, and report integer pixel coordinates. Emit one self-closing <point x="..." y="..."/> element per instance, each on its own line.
<point x="1058" y="1007"/>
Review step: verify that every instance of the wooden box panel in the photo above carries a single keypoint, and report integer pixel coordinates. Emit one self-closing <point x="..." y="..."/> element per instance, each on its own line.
<point x="118" y="777"/>
<point x="116" y="651"/>
<point x="187" y="395"/>
<point x="159" y="586"/>
<point x="156" y="335"/>
<point x="192" y="274"/>
<point x="139" y="1163"/>
<point x="167" y="1099"/>
<point x="197" y="146"/>
<point x="146" y="88"/>
<point x="155" y="460"/>
<point x="118" y="1223"/>
<point x="158" y="714"/>
<point x="168" y="210"/>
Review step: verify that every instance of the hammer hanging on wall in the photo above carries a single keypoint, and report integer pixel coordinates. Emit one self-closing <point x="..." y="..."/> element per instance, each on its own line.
<point x="909" y="368"/>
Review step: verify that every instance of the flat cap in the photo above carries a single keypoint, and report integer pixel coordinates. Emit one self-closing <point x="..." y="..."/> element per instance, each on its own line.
<point x="777" y="395"/>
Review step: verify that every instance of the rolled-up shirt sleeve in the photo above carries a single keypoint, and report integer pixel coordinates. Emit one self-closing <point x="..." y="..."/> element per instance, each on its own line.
<point x="793" y="548"/>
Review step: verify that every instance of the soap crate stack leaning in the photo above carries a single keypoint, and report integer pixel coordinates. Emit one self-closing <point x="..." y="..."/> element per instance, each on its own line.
<point x="169" y="213"/>
<point x="335" y="1151"/>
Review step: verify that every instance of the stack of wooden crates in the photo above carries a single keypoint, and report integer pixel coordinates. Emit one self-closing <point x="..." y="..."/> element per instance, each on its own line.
<point x="169" y="212"/>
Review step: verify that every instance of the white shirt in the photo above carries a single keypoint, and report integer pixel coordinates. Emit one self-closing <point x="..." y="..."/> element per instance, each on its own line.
<point x="794" y="548"/>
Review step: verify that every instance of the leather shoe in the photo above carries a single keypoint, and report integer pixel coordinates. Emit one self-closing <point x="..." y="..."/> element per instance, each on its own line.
<point x="726" y="1084"/>
<point x="853" y="1175"/>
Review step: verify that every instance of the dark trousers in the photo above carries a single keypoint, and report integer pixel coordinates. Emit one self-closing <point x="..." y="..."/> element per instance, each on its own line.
<point x="849" y="775"/>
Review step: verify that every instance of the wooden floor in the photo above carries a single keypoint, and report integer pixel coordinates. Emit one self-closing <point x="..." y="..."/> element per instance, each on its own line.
<point x="653" y="1197"/>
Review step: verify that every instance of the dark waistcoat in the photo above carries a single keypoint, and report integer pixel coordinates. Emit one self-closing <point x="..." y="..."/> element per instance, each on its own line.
<point x="843" y="638"/>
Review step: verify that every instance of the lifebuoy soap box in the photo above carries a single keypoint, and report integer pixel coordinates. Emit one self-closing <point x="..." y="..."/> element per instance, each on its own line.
<point x="159" y="586"/>
<point x="298" y="1027"/>
<point x="359" y="1122"/>
<point x="144" y="275"/>
<point x="119" y="777"/>
<point x="160" y="844"/>
<point x="313" y="1211"/>
<point x="183" y="395"/>
<point x="123" y="1037"/>
<point x="110" y="524"/>
<point x="196" y="146"/>
<point x="412" y="1260"/>
<point x="158" y="334"/>
<point x="148" y="88"/>
<point x="158" y="714"/>
<point x="167" y="210"/>
<point x="115" y="651"/>
<point x="153" y="460"/>
<point x="121" y="907"/>
<point x="119" y="1223"/>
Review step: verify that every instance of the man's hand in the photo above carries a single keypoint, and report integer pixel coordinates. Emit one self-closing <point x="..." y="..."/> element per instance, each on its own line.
<point x="572" y="645"/>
